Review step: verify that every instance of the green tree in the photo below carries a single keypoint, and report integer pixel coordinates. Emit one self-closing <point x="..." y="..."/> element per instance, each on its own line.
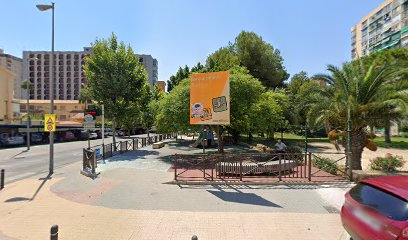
<point x="267" y="113"/>
<point x="261" y="59"/>
<point x="115" y="79"/>
<point x="362" y="92"/>
<point x="251" y="51"/>
<point x="174" y="110"/>
<point x="182" y="73"/>
<point x="150" y="108"/>
<point x="251" y="105"/>
<point x="245" y="91"/>
<point x="222" y="60"/>
<point x="296" y="82"/>
<point x="387" y="57"/>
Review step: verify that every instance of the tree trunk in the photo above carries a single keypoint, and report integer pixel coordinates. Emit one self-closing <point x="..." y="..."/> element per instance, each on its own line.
<point x="387" y="133"/>
<point x="272" y="136"/>
<point x="356" y="154"/>
<point x="250" y="137"/>
<point x="220" y="140"/>
<point x="235" y="136"/>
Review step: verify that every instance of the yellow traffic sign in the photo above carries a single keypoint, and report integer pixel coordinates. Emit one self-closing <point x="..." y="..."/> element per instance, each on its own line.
<point x="50" y="124"/>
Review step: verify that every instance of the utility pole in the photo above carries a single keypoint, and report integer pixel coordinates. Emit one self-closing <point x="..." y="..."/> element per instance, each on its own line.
<point x="45" y="8"/>
<point x="103" y="125"/>
<point x="28" y="118"/>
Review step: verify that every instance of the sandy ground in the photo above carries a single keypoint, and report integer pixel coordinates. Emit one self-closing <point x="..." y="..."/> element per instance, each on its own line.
<point x="367" y="154"/>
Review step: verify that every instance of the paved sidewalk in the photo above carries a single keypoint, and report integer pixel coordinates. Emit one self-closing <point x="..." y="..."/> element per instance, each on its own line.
<point x="27" y="215"/>
<point x="129" y="201"/>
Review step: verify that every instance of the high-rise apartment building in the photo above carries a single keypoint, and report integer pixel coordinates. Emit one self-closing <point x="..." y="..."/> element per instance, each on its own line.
<point x="13" y="64"/>
<point x="151" y="66"/>
<point x="68" y="72"/>
<point x="386" y="27"/>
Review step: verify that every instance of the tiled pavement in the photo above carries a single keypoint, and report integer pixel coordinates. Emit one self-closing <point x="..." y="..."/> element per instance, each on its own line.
<point x="129" y="201"/>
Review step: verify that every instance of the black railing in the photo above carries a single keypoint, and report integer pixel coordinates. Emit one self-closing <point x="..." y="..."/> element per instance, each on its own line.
<point x="104" y="151"/>
<point x="236" y="167"/>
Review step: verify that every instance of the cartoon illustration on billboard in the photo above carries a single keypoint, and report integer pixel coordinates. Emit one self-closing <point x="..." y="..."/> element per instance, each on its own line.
<point x="197" y="110"/>
<point x="219" y="104"/>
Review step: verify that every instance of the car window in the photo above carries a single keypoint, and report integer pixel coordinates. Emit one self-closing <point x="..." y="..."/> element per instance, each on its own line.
<point x="384" y="203"/>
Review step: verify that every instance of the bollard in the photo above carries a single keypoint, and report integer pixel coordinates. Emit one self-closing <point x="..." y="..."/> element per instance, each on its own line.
<point x="2" y="179"/>
<point x="54" y="232"/>
<point x="194" y="237"/>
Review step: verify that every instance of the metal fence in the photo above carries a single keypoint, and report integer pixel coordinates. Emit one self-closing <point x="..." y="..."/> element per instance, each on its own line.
<point x="239" y="167"/>
<point x="104" y="151"/>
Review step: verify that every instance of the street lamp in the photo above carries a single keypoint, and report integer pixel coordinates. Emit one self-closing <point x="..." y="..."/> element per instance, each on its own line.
<point x="42" y="7"/>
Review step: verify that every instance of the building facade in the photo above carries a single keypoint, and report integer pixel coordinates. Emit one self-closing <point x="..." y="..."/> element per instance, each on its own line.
<point x="151" y="65"/>
<point x="161" y="85"/>
<point x="386" y="27"/>
<point x="9" y="109"/>
<point x="65" y="110"/>
<point x="68" y="72"/>
<point x="13" y="64"/>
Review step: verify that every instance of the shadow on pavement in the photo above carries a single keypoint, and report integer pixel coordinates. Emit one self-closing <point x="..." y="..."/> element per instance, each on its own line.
<point x="133" y="155"/>
<point x="244" y="198"/>
<point x="20" y="199"/>
<point x="270" y="187"/>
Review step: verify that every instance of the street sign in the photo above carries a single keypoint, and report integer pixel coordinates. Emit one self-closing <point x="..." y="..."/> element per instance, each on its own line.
<point x="50" y="123"/>
<point x="98" y="152"/>
<point x="93" y="110"/>
<point x="89" y="121"/>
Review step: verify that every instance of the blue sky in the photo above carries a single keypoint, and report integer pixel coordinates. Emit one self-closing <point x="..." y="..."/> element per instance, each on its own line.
<point x="309" y="33"/>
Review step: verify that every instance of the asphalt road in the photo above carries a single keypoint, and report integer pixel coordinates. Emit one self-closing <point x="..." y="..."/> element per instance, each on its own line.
<point x="20" y="164"/>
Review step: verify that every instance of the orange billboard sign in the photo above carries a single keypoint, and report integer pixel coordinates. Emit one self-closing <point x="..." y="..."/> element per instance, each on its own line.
<point x="210" y="98"/>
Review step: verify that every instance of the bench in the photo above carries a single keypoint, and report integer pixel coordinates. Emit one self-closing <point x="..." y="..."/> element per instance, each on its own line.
<point x="158" y="145"/>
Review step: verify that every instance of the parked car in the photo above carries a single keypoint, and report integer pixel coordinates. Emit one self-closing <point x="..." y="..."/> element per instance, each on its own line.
<point x="81" y="135"/>
<point x="66" y="136"/>
<point x="36" y="138"/>
<point x="119" y="133"/>
<point x="99" y="133"/>
<point x="377" y="208"/>
<point x="93" y="135"/>
<point x="108" y="132"/>
<point x="7" y="140"/>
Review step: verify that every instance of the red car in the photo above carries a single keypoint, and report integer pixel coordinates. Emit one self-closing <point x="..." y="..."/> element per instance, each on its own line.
<point x="377" y="208"/>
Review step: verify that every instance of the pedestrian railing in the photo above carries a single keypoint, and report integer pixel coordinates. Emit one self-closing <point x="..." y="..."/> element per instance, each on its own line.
<point x="240" y="166"/>
<point x="103" y="151"/>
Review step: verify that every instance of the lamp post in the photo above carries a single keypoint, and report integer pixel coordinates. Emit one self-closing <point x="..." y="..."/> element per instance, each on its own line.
<point x="27" y="86"/>
<point x="42" y="7"/>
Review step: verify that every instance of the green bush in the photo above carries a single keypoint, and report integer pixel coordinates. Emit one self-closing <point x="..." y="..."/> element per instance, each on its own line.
<point x="389" y="163"/>
<point x="325" y="164"/>
<point x="404" y="134"/>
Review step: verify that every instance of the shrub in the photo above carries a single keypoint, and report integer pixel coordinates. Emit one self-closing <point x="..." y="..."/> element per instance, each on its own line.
<point x="325" y="164"/>
<point x="389" y="163"/>
<point x="404" y="134"/>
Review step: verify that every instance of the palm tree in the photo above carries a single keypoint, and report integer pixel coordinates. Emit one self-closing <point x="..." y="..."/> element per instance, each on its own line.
<point x="369" y="96"/>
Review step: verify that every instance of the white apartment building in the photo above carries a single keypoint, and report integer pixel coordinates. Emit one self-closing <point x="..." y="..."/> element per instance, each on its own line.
<point x="386" y="27"/>
<point x="151" y="65"/>
<point x="68" y="73"/>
